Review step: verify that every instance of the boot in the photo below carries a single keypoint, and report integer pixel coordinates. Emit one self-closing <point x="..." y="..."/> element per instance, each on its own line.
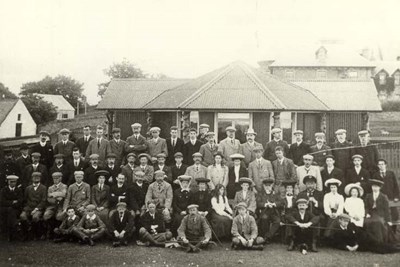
<point x="314" y="246"/>
<point x="291" y="245"/>
<point x="257" y="247"/>
<point x="149" y="237"/>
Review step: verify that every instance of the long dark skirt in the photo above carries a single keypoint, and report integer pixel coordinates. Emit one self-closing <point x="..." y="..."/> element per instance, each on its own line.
<point x="376" y="228"/>
<point x="221" y="225"/>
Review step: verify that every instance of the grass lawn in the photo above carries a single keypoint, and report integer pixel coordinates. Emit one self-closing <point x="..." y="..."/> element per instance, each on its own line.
<point x="44" y="253"/>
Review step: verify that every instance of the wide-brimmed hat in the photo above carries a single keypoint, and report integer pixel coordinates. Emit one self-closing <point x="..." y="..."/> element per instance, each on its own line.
<point x="333" y="181"/>
<point x="348" y="188"/>
<point x="246" y="180"/>
<point x="376" y="182"/>
<point x="102" y="173"/>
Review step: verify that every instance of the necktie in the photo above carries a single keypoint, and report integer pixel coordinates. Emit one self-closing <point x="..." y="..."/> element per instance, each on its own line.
<point x="197" y="168"/>
<point x="76" y="163"/>
<point x="382" y="174"/>
<point x="136" y="137"/>
<point x="173" y="143"/>
<point x="101" y="187"/>
<point x="121" y="216"/>
<point x="98" y="143"/>
<point x="65" y="143"/>
<point x="233" y="142"/>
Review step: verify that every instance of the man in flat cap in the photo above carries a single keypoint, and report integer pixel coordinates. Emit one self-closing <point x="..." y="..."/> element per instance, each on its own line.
<point x="129" y="169"/>
<point x="229" y="145"/>
<point x="269" y="153"/>
<point x="117" y="147"/>
<point x="209" y="149"/>
<point x="174" y="145"/>
<point x="90" y="228"/>
<point x="60" y="165"/>
<point x="90" y="171"/>
<point x="11" y="200"/>
<point x="245" y="230"/>
<point x="122" y="226"/>
<point x="99" y="146"/>
<point x="83" y="142"/>
<point x="260" y="168"/>
<point x="45" y="149"/>
<point x="78" y="195"/>
<point x="177" y="169"/>
<point x="247" y="149"/>
<point x="204" y="129"/>
<point x="369" y="151"/>
<point x="65" y="146"/>
<point x="160" y="165"/>
<point x="308" y="169"/>
<point x="342" y="150"/>
<point x="191" y="147"/>
<point x="144" y="166"/>
<point x="301" y="234"/>
<point x="194" y="231"/>
<point x="136" y="143"/>
<point x="160" y="192"/>
<point x="320" y="150"/>
<point x="35" y="197"/>
<point x="284" y="169"/>
<point x="358" y="174"/>
<point x="197" y="170"/>
<point x="156" y="144"/>
<point x="35" y="166"/>
<point x="24" y="159"/>
<point x="8" y="166"/>
<point x="180" y="201"/>
<point x="298" y="149"/>
<point x="113" y="168"/>
<point x="56" y="194"/>
<point x="100" y="194"/>
<point x="137" y="192"/>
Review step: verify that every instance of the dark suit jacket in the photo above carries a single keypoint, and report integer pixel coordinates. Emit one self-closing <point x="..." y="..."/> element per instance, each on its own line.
<point x="172" y="150"/>
<point x="320" y="154"/>
<point x="319" y="196"/>
<point x="136" y="146"/>
<point x="269" y="153"/>
<point x="167" y="171"/>
<point x="66" y="150"/>
<point x="390" y="187"/>
<point x="180" y="201"/>
<point x="189" y="150"/>
<point x="382" y="206"/>
<point x="113" y="173"/>
<point x="82" y="144"/>
<point x="100" y="198"/>
<point x="370" y="155"/>
<point x="127" y="224"/>
<point x="231" y="187"/>
<point x="65" y="170"/>
<point x="7" y="197"/>
<point x="118" y="195"/>
<point x="138" y="194"/>
<point x="362" y="178"/>
<point x="71" y="167"/>
<point x="288" y="173"/>
<point x="336" y="173"/>
<point x="342" y="155"/>
<point x="89" y="176"/>
<point x="46" y="153"/>
<point x="148" y="221"/>
<point x="203" y="199"/>
<point x="27" y="175"/>
<point x="23" y="162"/>
<point x="119" y="151"/>
<point x="296" y="152"/>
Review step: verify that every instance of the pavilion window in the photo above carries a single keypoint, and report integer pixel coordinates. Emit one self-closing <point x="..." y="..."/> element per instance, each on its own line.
<point x="397" y="79"/>
<point x="289" y="75"/>
<point x="241" y="121"/>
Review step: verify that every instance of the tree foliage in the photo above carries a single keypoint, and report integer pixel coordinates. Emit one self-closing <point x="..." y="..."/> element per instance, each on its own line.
<point x="6" y="93"/>
<point x="40" y="110"/>
<point x="60" y="85"/>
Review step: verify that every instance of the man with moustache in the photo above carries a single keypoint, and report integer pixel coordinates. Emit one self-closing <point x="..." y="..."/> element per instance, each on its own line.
<point x="247" y="149"/>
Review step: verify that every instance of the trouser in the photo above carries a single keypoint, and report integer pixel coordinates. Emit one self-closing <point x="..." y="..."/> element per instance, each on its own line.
<point x="258" y="241"/>
<point x="32" y="223"/>
<point x="127" y="236"/>
<point x="195" y="241"/>
<point x="269" y="223"/>
<point x="64" y="234"/>
<point x="145" y="236"/>
<point x="9" y="219"/>
<point x="94" y="236"/>
<point x="302" y="236"/>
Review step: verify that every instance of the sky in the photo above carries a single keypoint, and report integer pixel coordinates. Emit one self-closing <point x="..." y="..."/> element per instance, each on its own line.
<point x="179" y="38"/>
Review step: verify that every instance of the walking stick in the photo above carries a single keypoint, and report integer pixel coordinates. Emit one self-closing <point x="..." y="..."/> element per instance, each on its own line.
<point x="212" y="230"/>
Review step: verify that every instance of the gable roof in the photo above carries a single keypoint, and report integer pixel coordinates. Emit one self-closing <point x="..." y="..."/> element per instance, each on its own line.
<point x="58" y="101"/>
<point x="389" y="66"/>
<point x="344" y="95"/>
<point x="6" y="105"/>
<point x="336" y="56"/>
<point x="237" y="86"/>
<point x="135" y="93"/>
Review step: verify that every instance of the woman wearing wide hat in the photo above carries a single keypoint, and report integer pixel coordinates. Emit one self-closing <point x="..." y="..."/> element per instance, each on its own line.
<point x="354" y="205"/>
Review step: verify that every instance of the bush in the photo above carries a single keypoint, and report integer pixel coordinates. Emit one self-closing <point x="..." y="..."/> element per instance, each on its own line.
<point x="391" y="105"/>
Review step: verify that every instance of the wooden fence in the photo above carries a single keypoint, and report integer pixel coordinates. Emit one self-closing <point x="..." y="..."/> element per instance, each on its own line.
<point x="391" y="153"/>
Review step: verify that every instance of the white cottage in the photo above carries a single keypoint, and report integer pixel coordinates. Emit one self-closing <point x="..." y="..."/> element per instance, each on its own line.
<point x="65" y="111"/>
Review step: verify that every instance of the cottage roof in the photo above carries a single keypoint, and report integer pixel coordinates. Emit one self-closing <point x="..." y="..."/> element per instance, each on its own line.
<point x="58" y="101"/>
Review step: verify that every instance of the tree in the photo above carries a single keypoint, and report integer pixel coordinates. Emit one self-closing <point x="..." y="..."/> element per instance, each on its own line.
<point x="125" y="69"/>
<point x="60" y="85"/>
<point x="40" y="110"/>
<point x="6" y="93"/>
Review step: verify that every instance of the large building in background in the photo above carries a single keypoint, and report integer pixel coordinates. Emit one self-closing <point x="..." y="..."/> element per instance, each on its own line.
<point x="387" y="79"/>
<point x="65" y="111"/>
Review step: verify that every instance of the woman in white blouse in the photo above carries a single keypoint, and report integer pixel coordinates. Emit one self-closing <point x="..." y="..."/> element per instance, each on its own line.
<point x="354" y="205"/>
<point x="333" y="203"/>
<point x="218" y="172"/>
<point x="221" y="215"/>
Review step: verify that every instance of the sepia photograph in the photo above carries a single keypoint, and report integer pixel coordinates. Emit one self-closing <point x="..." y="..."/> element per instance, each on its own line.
<point x="199" y="133"/>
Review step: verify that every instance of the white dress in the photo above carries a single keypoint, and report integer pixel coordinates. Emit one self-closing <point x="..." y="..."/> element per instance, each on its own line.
<point x="355" y="208"/>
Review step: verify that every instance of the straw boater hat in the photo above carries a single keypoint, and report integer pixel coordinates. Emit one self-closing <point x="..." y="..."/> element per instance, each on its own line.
<point x="236" y="156"/>
<point x="348" y="188"/>
<point x="246" y="180"/>
<point x="102" y="173"/>
<point x="301" y="200"/>
<point x="333" y="181"/>
<point x="376" y="182"/>
<point x="136" y="125"/>
<point x="202" y="180"/>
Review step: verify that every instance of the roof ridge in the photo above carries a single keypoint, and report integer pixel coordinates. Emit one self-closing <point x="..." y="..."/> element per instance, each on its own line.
<point x="8" y="112"/>
<point x="262" y="86"/>
<point x="207" y="86"/>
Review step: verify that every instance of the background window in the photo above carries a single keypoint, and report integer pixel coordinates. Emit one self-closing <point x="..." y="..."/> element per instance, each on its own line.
<point x="382" y="78"/>
<point x="194" y="120"/>
<point x="289" y="74"/>
<point x="321" y="74"/>
<point x="65" y="116"/>
<point x="18" y="129"/>
<point x="19" y="117"/>
<point x="353" y="74"/>
<point x="397" y="79"/>
<point x="241" y="121"/>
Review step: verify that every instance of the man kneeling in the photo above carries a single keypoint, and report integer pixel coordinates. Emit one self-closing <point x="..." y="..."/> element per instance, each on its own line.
<point x="194" y="229"/>
<point x="90" y="228"/>
<point x="122" y="225"/>
<point x="245" y="231"/>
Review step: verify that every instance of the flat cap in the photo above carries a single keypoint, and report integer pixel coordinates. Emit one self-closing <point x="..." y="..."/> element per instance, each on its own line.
<point x="276" y="130"/>
<point x="197" y="154"/>
<point x="289" y="182"/>
<point x="301" y="200"/>
<point x="319" y="134"/>
<point x="131" y="155"/>
<point x="185" y="178"/>
<point x="349" y="187"/>
<point x="236" y="156"/>
<point x="357" y="156"/>
<point x="90" y="207"/>
<point x="268" y="181"/>
<point x="298" y="132"/>
<point x="251" y="131"/>
<point x="344" y="216"/>
<point x="116" y="130"/>
<point x="329" y="156"/>
<point x="202" y="180"/>
<point x="331" y="181"/>
<point x="178" y="155"/>
<point x="121" y="204"/>
<point x="36" y="174"/>
<point x="308" y="156"/>
<point x="155" y="129"/>
<point x="309" y="178"/>
<point x="191" y="206"/>
<point x="210" y="134"/>
<point x="79" y="173"/>
<point x="23" y="146"/>
<point x="363" y="132"/>
<point x="56" y="174"/>
<point x="136" y="125"/>
<point x="175" y="128"/>
<point x="230" y="129"/>
<point x="161" y="155"/>
<point x="12" y="177"/>
<point x="94" y="156"/>
<point x="59" y="156"/>
<point x="64" y="131"/>
<point x="258" y="148"/>
<point x="193" y="130"/>
<point x="111" y="155"/>
<point x="204" y="125"/>
<point x="36" y="155"/>
<point x="340" y="131"/>
<point x="159" y="173"/>
<point x="241" y="205"/>
<point x="139" y="174"/>
<point x="44" y="133"/>
<point x="144" y="155"/>
<point x="102" y="173"/>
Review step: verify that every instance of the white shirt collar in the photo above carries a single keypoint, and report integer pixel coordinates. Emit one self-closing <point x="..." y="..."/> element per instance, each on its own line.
<point x="42" y="143"/>
<point x="72" y="218"/>
<point x="91" y="217"/>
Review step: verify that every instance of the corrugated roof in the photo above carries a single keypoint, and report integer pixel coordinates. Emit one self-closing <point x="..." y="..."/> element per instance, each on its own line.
<point x="58" y="101"/>
<point x="389" y="66"/>
<point x="237" y="86"/>
<point x="336" y="56"/>
<point x="344" y="95"/>
<point x="6" y="105"/>
<point x="135" y="93"/>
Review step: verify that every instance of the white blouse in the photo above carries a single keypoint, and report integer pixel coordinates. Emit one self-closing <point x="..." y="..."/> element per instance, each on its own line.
<point x="355" y="208"/>
<point x="333" y="201"/>
<point x="220" y="207"/>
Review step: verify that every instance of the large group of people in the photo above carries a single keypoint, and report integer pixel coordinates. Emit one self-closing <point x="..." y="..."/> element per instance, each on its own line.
<point x="165" y="192"/>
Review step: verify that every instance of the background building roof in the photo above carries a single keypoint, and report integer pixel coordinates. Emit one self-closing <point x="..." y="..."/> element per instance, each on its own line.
<point x="344" y="95"/>
<point x="135" y="93"/>
<point x="58" y="101"/>
<point x="389" y="66"/>
<point x="6" y="105"/>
